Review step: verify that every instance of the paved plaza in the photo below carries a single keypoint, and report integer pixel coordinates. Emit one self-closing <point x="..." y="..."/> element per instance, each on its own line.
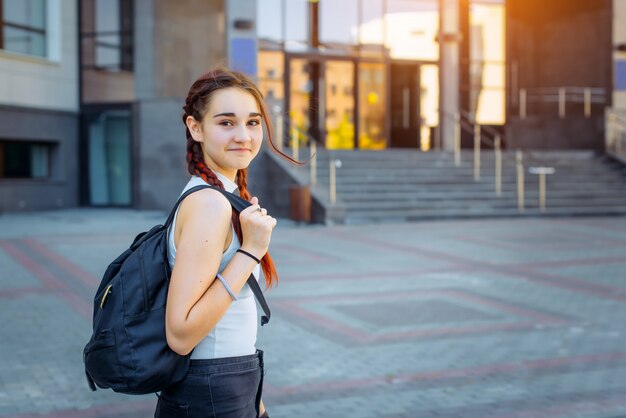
<point x="521" y="318"/>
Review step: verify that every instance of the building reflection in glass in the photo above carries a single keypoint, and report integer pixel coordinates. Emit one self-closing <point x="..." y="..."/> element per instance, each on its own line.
<point x="372" y="106"/>
<point x="339" y="108"/>
<point x="300" y="100"/>
<point x="487" y="61"/>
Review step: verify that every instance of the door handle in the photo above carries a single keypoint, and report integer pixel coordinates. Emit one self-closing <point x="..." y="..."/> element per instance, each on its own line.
<point x="406" y="122"/>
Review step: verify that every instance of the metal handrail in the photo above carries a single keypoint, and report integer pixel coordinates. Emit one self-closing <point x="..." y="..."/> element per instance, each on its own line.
<point x="543" y="90"/>
<point x="333" y="163"/>
<point x="562" y="95"/>
<point x="470" y="125"/>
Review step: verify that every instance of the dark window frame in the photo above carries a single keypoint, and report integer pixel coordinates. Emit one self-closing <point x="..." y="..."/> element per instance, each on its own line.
<point x="126" y="44"/>
<point x="27" y="28"/>
<point x="50" y="147"/>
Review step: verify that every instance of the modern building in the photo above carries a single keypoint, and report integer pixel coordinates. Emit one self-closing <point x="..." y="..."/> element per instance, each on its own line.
<point x="91" y="90"/>
<point x="39" y="104"/>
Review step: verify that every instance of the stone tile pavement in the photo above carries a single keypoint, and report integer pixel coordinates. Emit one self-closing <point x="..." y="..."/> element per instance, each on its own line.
<point x="522" y="318"/>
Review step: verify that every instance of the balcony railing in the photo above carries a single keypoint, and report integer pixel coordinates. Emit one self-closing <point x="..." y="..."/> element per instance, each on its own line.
<point x="559" y="98"/>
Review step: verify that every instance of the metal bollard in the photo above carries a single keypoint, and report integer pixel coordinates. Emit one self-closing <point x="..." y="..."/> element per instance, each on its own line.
<point x="522" y="103"/>
<point x="334" y="164"/>
<point x="313" y="150"/>
<point x="587" y="102"/>
<point x="498" y="152"/>
<point x="618" y="140"/>
<point x="295" y="144"/>
<point x="520" y="181"/>
<point x="457" y="139"/>
<point x="610" y="132"/>
<point x="476" y="152"/>
<point x="542" y="172"/>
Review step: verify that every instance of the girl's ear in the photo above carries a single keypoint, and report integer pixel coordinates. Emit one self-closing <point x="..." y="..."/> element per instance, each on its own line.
<point x="195" y="128"/>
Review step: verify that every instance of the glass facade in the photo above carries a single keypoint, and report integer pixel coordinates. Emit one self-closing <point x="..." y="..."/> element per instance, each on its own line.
<point x="338" y="105"/>
<point x="371" y="30"/>
<point x="339" y="22"/>
<point x="372" y="105"/>
<point x="429" y="106"/>
<point x="299" y="99"/>
<point x="411" y="28"/>
<point x="372" y="82"/>
<point x="487" y="61"/>
<point x="271" y="74"/>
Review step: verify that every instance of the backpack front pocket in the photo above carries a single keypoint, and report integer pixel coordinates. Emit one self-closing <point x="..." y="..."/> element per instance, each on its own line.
<point x="101" y="360"/>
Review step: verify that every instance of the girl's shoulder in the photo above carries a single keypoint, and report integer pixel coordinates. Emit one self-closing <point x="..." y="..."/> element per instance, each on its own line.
<point x="204" y="204"/>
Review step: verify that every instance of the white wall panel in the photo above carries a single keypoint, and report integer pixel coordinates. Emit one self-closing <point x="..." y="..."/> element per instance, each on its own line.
<point x="50" y="83"/>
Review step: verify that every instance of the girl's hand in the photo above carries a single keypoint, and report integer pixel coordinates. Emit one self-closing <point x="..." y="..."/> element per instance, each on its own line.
<point x="256" y="227"/>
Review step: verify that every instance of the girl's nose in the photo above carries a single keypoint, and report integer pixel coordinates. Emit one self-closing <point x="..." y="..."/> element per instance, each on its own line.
<point x="241" y="133"/>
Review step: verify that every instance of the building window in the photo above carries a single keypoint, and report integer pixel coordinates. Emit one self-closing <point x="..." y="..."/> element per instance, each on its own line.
<point x="108" y="35"/>
<point x="283" y="22"/>
<point x="20" y="159"/>
<point x="23" y="26"/>
<point x="339" y="23"/>
<point x="487" y="37"/>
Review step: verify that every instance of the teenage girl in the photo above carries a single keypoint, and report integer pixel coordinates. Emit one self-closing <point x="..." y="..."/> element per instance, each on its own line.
<point x="211" y="311"/>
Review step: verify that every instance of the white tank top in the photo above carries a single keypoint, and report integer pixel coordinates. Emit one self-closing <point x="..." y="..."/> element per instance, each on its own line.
<point x="235" y="334"/>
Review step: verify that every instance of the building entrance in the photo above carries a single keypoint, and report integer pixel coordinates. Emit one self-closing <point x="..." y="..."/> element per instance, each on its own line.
<point x="107" y="176"/>
<point x="321" y="102"/>
<point x="352" y="103"/>
<point x="405" y="106"/>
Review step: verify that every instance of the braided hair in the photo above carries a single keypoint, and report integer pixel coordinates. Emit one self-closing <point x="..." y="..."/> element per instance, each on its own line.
<point x="196" y="103"/>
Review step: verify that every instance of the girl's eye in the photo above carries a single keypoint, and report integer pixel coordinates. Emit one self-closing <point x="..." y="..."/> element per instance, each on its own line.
<point x="254" y="122"/>
<point x="226" y="123"/>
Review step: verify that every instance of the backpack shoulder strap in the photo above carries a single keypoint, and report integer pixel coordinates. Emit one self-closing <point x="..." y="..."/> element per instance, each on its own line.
<point x="236" y="202"/>
<point x="238" y="205"/>
<point x="258" y="293"/>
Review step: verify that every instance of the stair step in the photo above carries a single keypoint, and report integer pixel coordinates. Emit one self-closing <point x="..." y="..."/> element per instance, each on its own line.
<point x="462" y="196"/>
<point x="417" y="215"/>
<point x="405" y="185"/>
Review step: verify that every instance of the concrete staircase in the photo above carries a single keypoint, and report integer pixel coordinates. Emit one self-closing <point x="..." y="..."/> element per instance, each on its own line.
<point x="406" y="185"/>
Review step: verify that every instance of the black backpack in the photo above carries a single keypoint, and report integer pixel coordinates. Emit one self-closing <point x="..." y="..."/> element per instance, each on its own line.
<point x="128" y="351"/>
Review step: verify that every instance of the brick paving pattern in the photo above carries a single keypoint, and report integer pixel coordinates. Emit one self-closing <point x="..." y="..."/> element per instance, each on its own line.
<point x="522" y="318"/>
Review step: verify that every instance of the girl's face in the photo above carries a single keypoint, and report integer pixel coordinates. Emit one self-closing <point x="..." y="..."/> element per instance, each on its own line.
<point x="230" y="132"/>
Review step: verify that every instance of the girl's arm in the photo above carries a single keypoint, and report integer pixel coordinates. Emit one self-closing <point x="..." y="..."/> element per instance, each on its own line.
<point x="196" y="301"/>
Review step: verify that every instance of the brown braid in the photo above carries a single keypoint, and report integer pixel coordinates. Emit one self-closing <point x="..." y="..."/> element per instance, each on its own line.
<point x="195" y="105"/>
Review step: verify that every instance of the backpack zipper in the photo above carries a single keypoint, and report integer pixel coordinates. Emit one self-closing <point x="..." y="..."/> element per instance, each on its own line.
<point x="143" y="279"/>
<point x="107" y="291"/>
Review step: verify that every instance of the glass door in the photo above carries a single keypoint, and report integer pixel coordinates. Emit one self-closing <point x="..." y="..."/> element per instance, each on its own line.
<point x="372" y="105"/>
<point x="338" y="104"/>
<point x="109" y="169"/>
<point x="300" y="101"/>
<point x="322" y="102"/>
<point x="405" y="105"/>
